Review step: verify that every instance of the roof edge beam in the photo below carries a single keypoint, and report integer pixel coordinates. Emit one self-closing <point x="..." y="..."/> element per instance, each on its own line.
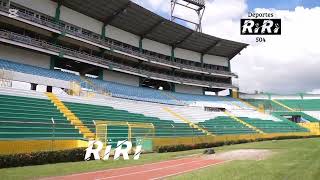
<point x="150" y="30"/>
<point x="115" y="14"/>
<point x="211" y="47"/>
<point x="237" y="52"/>
<point x="183" y="39"/>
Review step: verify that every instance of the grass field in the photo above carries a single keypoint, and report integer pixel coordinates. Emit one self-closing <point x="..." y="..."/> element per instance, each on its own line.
<point x="293" y="159"/>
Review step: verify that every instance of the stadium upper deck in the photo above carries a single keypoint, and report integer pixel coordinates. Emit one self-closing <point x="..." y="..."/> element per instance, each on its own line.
<point x="125" y="36"/>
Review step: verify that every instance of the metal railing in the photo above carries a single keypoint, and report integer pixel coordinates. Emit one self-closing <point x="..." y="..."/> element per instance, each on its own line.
<point x="172" y="130"/>
<point x="15" y="142"/>
<point x="82" y="55"/>
<point x="54" y="126"/>
<point x="96" y="38"/>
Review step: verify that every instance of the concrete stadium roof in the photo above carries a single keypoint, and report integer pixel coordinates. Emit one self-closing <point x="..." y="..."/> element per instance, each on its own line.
<point x="135" y="19"/>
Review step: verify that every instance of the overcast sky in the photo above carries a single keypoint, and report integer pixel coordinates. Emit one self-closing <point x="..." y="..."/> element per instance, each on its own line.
<point x="289" y="63"/>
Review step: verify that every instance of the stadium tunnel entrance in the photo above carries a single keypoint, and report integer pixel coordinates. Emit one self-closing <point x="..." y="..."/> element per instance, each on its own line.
<point x="295" y="118"/>
<point x="157" y="84"/>
<point x="212" y="91"/>
<point x="78" y="68"/>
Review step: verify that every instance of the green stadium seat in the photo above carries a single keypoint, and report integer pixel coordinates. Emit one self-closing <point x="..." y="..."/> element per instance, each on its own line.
<point x="30" y="118"/>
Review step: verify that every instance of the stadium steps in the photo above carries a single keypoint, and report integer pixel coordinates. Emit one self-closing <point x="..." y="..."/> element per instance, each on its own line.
<point x="270" y="126"/>
<point x="249" y="104"/>
<point x="225" y="125"/>
<point x="233" y="103"/>
<point x="191" y="124"/>
<point x="171" y="96"/>
<point x="243" y="122"/>
<point x="279" y="103"/>
<point x="96" y="87"/>
<point x="71" y="116"/>
<point x="163" y="127"/>
<point x="31" y="118"/>
<point x="267" y="104"/>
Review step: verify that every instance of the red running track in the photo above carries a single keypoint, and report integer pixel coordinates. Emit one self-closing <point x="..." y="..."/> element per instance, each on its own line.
<point x="157" y="170"/>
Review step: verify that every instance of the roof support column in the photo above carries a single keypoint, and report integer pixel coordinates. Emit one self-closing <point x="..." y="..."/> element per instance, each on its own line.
<point x="173" y="72"/>
<point x="100" y="75"/>
<point x="103" y="37"/>
<point x="172" y="53"/>
<point x="8" y="3"/>
<point x="103" y="32"/>
<point x="52" y="61"/>
<point x="269" y="96"/>
<point x="140" y="43"/>
<point x="231" y="93"/>
<point x="55" y="36"/>
<point x="201" y="60"/>
<point x="172" y="87"/>
<point x="58" y="11"/>
<point x="301" y="95"/>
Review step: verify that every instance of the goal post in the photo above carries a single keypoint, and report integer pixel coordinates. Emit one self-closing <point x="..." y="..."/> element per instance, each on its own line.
<point x="110" y="132"/>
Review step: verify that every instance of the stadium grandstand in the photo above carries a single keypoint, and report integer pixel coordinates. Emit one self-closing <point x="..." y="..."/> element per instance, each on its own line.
<point x="113" y="70"/>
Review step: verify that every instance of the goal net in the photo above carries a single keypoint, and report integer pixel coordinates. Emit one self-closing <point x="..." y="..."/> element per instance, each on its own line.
<point x="110" y="132"/>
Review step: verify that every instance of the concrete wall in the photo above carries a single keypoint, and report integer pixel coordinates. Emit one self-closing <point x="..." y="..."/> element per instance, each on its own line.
<point x="81" y="20"/>
<point x="264" y="96"/>
<point x="47" y="7"/>
<point x="156" y="47"/>
<point x="188" y="89"/>
<point x="253" y="96"/>
<point x="122" y="36"/>
<point x="186" y="54"/>
<point x="66" y="14"/>
<point x="311" y="96"/>
<point x="20" y="55"/>
<point x="120" y="78"/>
<point x="215" y="60"/>
<point x="285" y="97"/>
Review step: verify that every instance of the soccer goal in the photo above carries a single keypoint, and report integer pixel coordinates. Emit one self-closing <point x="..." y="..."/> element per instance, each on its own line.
<point x="110" y="132"/>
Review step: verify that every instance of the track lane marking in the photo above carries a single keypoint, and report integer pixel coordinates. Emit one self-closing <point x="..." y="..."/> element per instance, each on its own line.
<point x="148" y="170"/>
<point x="107" y="170"/>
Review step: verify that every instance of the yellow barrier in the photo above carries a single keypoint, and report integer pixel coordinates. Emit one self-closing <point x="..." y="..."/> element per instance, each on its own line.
<point x="28" y="146"/>
<point x="248" y="104"/>
<point x="313" y="127"/>
<point x="84" y="130"/>
<point x="242" y="122"/>
<point x="191" y="124"/>
<point x="279" y="103"/>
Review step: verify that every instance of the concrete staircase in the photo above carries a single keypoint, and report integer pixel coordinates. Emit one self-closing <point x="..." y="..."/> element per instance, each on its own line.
<point x="244" y="123"/>
<point x="83" y="129"/>
<point x="279" y="103"/>
<point x="97" y="88"/>
<point x="191" y="124"/>
<point x="172" y="97"/>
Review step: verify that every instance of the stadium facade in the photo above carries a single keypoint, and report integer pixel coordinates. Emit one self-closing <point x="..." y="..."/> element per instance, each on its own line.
<point x="108" y="59"/>
<point x="126" y="43"/>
